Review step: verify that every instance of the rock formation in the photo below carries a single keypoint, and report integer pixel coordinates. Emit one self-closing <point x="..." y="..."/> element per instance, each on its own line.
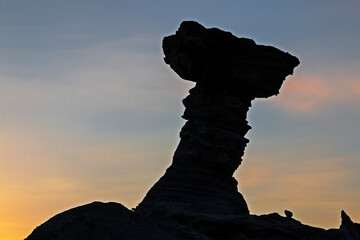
<point x="288" y="214"/>
<point x="229" y="73"/>
<point x="197" y="198"/>
<point x="99" y="221"/>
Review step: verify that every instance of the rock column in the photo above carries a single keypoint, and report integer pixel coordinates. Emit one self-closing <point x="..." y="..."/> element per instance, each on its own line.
<point x="229" y="73"/>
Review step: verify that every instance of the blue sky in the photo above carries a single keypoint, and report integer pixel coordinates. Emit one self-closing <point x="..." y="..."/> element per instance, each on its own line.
<point x="89" y="110"/>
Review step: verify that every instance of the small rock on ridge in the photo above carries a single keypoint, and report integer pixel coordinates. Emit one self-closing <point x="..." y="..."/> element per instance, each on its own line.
<point x="288" y="214"/>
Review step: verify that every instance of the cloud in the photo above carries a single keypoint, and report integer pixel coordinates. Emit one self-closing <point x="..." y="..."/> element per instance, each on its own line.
<point x="308" y="92"/>
<point x="355" y="84"/>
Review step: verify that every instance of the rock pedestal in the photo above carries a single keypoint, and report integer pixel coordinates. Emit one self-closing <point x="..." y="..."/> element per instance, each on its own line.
<point x="229" y="73"/>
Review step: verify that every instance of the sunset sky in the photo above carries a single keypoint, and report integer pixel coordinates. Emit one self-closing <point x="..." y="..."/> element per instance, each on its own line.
<point x="89" y="110"/>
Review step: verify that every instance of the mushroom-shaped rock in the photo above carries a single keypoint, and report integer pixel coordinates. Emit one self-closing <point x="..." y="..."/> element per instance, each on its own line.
<point x="229" y="73"/>
<point x="197" y="198"/>
<point x="213" y="56"/>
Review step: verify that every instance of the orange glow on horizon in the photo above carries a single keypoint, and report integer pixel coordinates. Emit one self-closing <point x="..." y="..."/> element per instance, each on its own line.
<point x="315" y="191"/>
<point x="38" y="183"/>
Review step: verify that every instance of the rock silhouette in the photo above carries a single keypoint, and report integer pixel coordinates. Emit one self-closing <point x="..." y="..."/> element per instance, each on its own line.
<point x="288" y="214"/>
<point x="197" y="198"/>
<point x="229" y="73"/>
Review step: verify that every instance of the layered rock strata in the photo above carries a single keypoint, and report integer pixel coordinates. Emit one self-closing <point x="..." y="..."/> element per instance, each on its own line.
<point x="229" y="73"/>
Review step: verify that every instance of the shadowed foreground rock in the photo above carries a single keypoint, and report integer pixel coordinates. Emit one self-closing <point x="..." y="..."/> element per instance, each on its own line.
<point x="197" y="198"/>
<point x="99" y="221"/>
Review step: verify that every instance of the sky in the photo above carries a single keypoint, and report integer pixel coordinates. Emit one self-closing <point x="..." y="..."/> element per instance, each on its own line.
<point x="90" y="111"/>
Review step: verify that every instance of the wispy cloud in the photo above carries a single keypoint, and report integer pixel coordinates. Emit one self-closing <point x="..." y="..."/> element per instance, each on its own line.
<point x="308" y="92"/>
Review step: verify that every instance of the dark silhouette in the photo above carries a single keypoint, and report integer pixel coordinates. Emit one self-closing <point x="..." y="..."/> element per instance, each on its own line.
<point x="229" y="73"/>
<point x="197" y="198"/>
<point x="288" y="214"/>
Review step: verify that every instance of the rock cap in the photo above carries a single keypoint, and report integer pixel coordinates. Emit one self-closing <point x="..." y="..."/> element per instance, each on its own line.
<point x="215" y="57"/>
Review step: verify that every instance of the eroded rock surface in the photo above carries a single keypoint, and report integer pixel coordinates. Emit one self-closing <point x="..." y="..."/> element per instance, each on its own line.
<point x="197" y="198"/>
<point x="229" y="73"/>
